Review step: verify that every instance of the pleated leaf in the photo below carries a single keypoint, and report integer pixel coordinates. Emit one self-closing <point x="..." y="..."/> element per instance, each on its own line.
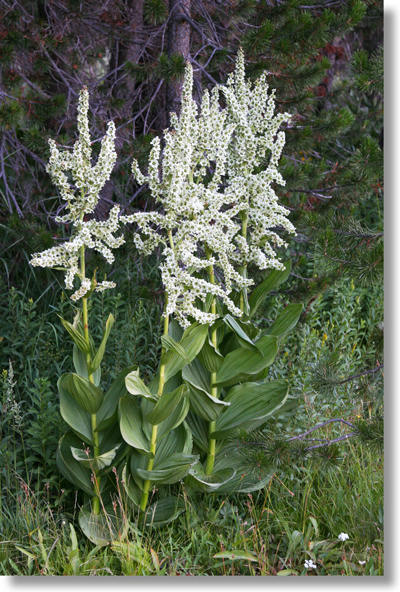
<point x="251" y="404"/>
<point x="286" y="320"/>
<point x="86" y="394"/>
<point x="130" y="424"/>
<point x="245" y="362"/>
<point x="72" y="470"/>
<point x="271" y="282"/>
<point x="135" y="386"/>
<point x="96" y="361"/>
<point x="166" y="405"/>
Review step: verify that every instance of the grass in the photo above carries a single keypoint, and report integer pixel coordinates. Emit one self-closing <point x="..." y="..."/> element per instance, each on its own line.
<point x="298" y="516"/>
<point x="275" y="530"/>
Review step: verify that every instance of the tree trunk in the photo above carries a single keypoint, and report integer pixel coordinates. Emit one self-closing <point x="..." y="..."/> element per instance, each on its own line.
<point x="178" y="42"/>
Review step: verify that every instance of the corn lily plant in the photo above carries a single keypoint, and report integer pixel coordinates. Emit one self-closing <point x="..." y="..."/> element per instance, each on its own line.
<point x="217" y="214"/>
<point x="93" y="444"/>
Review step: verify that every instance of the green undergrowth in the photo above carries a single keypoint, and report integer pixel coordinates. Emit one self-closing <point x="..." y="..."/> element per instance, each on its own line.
<point x="313" y="496"/>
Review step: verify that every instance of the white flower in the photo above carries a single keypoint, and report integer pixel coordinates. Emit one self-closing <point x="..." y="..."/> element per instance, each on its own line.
<point x="80" y="190"/>
<point x="309" y="564"/>
<point x="362" y="562"/>
<point x="253" y="156"/>
<point x="198" y="221"/>
<point x="343" y="536"/>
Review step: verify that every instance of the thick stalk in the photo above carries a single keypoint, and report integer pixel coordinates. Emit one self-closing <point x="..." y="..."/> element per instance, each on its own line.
<point x="153" y="440"/>
<point x="213" y="388"/>
<point x="243" y="271"/>
<point x="93" y="419"/>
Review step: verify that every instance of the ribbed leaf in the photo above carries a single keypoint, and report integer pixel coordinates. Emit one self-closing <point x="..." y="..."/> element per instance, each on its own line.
<point x="76" y="335"/>
<point x="201" y="401"/>
<point x="251" y="404"/>
<point x="80" y="364"/>
<point x="199" y="430"/>
<point x="170" y="470"/>
<point x="210" y="357"/>
<point x="244" y="362"/>
<point x="178" y="440"/>
<point x="72" y="470"/>
<point x="106" y="415"/>
<point x="198" y="480"/>
<point x="102" y="529"/>
<point x="133" y="491"/>
<point x="135" y="386"/>
<point x="169" y="343"/>
<point x="237" y="329"/>
<point x="166" y="405"/>
<point x="86" y="394"/>
<point x="164" y="510"/>
<point x="130" y="423"/>
<point x="99" y="462"/>
<point x="72" y="413"/>
<point x="192" y="341"/>
<point x="272" y="281"/>
<point x="286" y="320"/>
<point x="96" y="361"/>
<point x="175" y="418"/>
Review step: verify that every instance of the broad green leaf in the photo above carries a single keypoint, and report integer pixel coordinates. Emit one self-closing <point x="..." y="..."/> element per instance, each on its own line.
<point x="106" y="415"/>
<point x="80" y="364"/>
<point x="199" y="430"/>
<point x="200" y="481"/>
<point x="99" y="462"/>
<point x="135" y="386"/>
<point x="72" y="470"/>
<point x="235" y="555"/>
<point x="77" y="336"/>
<point x="272" y="281"/>
<point x="166" y="405"/>
<point x="237" y="329"/>
<point x="244" y="362"/>
<point x="132" y="490"/>
<point x="164" y="510"/>
<point x="130" y="423"/>
<point x="170" y="470"/>
<point x="86" y="394"/>
<point x="72" y="413"/>
<point x="286" y="320"/>
<point x="210" y="357"/>
<point x="96" y="361"/>
<point x="176" y="417"/>
<point x="169" y="343"/>
<point x="102" y="529"/>
<point x="178" y="440"/>
<point x="192" y="341"/>
<point x="251" y="404"/>
<point x="201" y="401"/>
<point x="246" y="481"/>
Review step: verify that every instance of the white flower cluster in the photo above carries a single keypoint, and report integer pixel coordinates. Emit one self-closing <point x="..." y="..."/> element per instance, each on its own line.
<point x="343" y="536"/>
<point x="198" y="222"/>
<point x="253" y="157"/>
<point x="80" y="184"/>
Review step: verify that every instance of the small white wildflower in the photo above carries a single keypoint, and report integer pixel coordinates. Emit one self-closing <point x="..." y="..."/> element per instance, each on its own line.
<point x="362" y="562"/>
<point x="81" y="194"/>
<point x="343" y="536"/>
<point x="309" y="564"/>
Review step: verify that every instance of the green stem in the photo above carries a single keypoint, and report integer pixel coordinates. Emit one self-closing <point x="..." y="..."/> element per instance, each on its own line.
<point x="213" y="388"/>
<point x="153" y="440"/>
<point x="243" y="271"/>
<point x="93" y="418"/>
